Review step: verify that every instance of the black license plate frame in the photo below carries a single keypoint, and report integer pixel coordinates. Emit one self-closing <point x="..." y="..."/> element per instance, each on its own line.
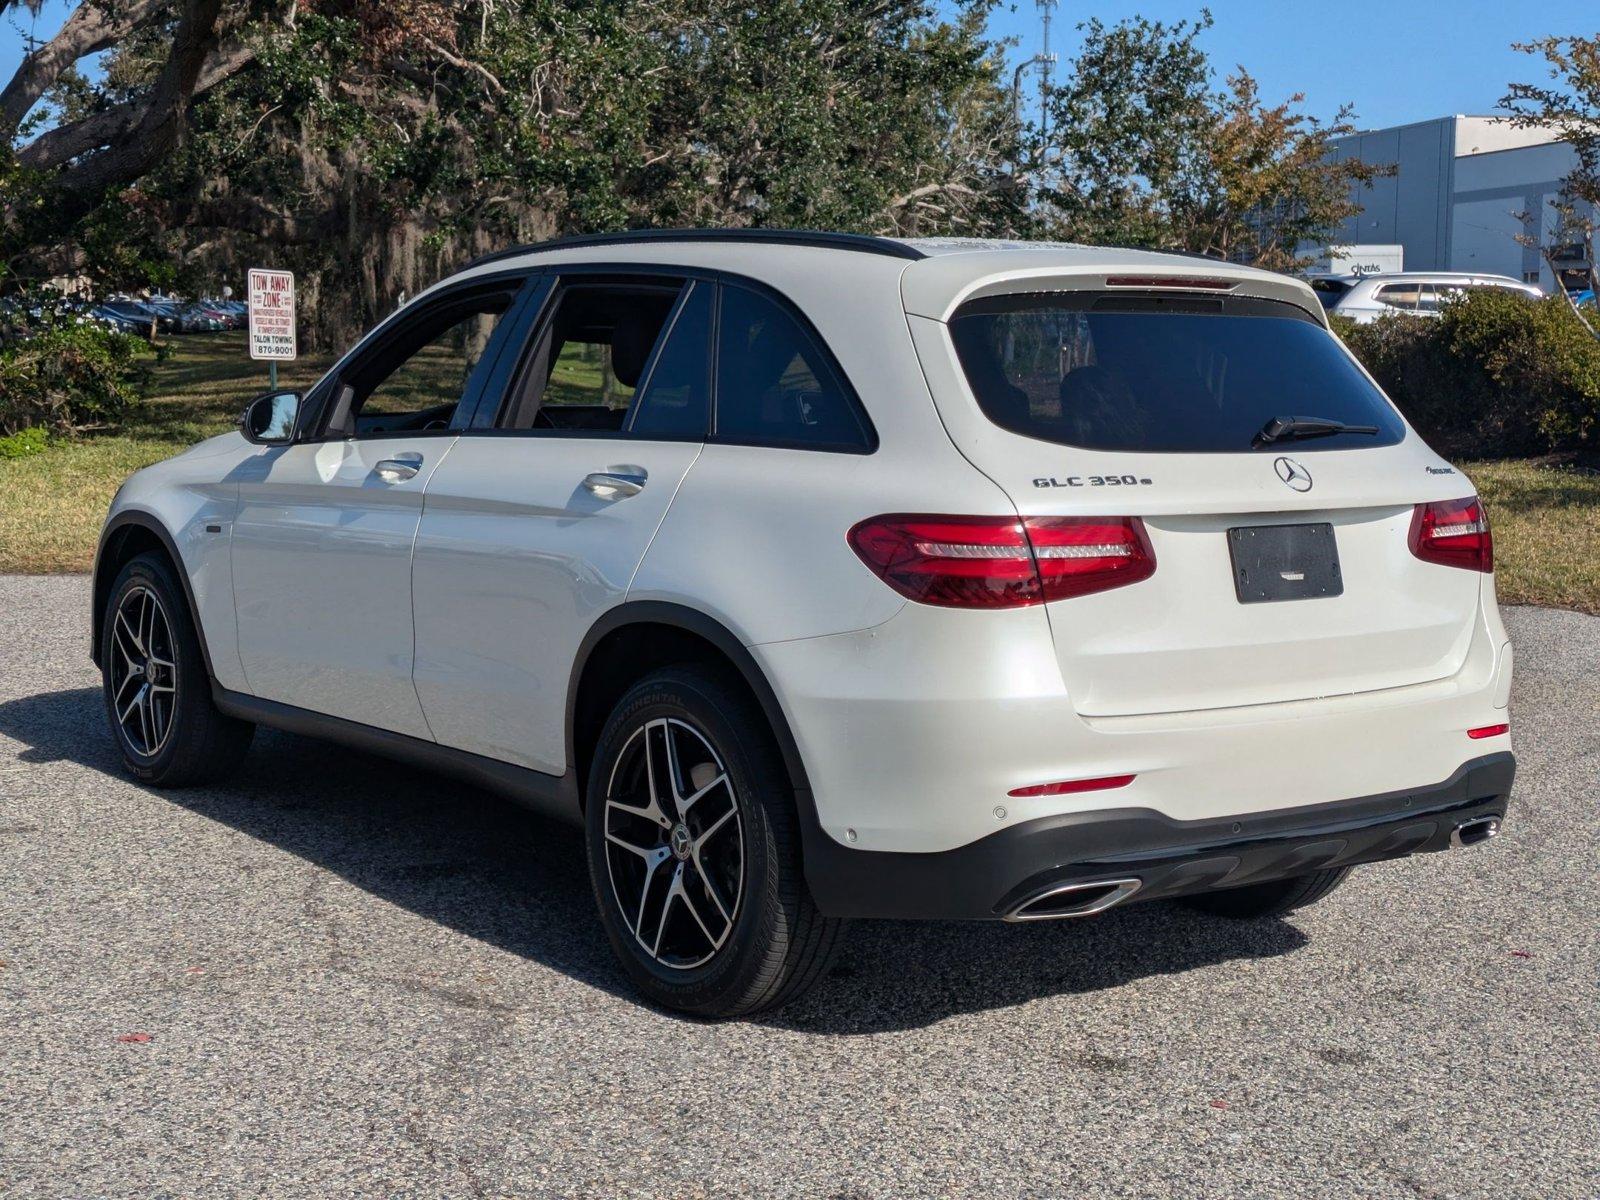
<point x="1275" y="563"/>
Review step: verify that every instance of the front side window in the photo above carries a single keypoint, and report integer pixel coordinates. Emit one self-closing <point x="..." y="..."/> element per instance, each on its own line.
<point x="417" y="376"/>
<point x="433" y="379"/>
<point x="774" y="385"/>
<point x="1154" y="379"/>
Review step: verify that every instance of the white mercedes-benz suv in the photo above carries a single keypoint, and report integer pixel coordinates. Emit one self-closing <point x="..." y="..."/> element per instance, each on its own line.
<point x="822" y="576"/>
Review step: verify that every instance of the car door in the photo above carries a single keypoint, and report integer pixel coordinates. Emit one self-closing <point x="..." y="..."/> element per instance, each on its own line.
<point x="536" y="521"/>
<point x="321" y="545"/>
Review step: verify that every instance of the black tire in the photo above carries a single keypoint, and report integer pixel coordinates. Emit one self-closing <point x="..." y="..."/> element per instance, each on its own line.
<point x="774" y="943"/>
<point x="1273" y="899"/>
<point x="200" y="743"/>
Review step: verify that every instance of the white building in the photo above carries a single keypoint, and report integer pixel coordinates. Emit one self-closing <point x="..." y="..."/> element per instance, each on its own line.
<point x="1458" y="198"/>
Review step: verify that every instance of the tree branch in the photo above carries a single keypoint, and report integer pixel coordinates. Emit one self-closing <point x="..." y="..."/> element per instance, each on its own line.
<point x="463" y="64"/>
<point x="159" y="122"/>
<point x="92" y="27"/>
<point x="59" y="146"/>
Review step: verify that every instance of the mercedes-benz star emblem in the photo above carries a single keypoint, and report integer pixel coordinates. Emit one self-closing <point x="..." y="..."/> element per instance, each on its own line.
<point x="681" y="841"/>
<point x="1293" y="474"/>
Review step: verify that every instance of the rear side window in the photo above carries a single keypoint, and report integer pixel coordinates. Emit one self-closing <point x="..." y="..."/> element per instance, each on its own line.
<point x="1139" y="376"/>
<point x="582" y="373"/>
<point x="677" y="396"/>
<point x="1399" y="295"/>
<point x="774" y="384"/>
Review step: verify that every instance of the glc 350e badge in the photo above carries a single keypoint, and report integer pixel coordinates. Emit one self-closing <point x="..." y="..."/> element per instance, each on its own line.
<point x="1292" y="474"/>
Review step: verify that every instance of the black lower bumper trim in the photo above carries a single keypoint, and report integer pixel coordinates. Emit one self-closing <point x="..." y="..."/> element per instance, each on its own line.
<point x="988" y="878"/>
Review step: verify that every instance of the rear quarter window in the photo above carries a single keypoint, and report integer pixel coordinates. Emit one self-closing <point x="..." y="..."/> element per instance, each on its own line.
<point x="776" y="386"/>
<point x="1105" y="372"/>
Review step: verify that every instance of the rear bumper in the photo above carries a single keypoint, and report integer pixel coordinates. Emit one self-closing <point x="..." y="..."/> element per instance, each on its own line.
<point x="916" y="733"/>
<point x="993" y="876"/>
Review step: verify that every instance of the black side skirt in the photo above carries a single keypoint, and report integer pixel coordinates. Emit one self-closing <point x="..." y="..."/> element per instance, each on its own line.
<point x="552" y="795"/>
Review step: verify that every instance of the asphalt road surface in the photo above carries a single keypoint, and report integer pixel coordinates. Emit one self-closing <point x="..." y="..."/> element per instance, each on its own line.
<point x="339" y="977"/>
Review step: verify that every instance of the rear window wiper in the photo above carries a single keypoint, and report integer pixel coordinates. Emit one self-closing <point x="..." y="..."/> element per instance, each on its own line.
<point x="1293" y="429"/>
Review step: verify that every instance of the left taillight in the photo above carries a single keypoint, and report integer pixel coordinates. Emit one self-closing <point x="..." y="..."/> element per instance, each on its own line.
<point x="1002" y="562"/>
<point x="1453" y="533"/>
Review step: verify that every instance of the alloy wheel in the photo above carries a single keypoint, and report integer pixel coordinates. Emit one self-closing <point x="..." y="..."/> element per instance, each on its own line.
<point x="674" y="843"/>
<point x="144" y="674"/>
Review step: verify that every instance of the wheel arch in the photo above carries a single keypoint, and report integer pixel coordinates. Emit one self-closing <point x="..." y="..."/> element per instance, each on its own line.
<point x="666" y="633"/>
<point x="127" y="535"/>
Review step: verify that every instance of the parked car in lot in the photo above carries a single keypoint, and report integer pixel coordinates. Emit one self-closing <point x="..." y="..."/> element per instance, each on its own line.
<point x="120" y="319"/>
<point x="821" y="577"/>
<point x="1365" y="298"/>
<point x="201" y="318"/>
<point x="226" y="313"/>
<point x="137" y="317"/>
<point x="169" y="312"/>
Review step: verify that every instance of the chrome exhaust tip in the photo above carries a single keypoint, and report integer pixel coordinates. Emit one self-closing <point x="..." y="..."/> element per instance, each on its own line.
<point x="1474" y="832"/>
<point x="1074" y="900"/>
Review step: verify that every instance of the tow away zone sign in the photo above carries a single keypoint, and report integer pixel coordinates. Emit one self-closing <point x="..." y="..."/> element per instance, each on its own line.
<point x="271" y="314"/>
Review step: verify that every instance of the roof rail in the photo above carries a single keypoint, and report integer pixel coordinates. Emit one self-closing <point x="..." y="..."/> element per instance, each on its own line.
<point x="860" y="242"/>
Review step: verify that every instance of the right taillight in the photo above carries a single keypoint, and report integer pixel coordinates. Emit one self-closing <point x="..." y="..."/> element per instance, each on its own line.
<point x="1453" y="533"/>
<point x="1002" y="562"/>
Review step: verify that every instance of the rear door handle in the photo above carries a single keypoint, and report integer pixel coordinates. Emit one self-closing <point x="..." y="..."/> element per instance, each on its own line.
<point x="617" y="482"/>
<point x="395" y="470"/>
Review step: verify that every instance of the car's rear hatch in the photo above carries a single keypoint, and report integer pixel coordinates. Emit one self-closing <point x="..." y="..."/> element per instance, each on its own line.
<point x="1141" y="399"/>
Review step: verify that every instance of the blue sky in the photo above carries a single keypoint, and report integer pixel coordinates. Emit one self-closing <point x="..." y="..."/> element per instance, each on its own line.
<point x="1395" y="60"/>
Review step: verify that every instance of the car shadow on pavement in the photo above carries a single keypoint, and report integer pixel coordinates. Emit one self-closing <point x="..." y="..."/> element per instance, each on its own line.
<point x="484" y="867"/>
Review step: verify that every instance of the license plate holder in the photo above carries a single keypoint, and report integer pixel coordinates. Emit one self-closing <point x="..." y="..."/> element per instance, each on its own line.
<point x="1284" y="562"/>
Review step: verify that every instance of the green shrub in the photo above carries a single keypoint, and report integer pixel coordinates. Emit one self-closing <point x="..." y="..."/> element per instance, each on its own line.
<point x="66" y="377"/>
<point x="1495" y="375"/>
<point x="25" y="443"/>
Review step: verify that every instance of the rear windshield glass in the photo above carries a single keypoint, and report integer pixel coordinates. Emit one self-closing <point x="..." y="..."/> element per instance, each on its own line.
<point x="1118" y="373"/>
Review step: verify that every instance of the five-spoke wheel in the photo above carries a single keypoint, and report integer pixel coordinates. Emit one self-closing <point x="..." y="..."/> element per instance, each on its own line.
<point x="674" y="842"/>
<point x="143" y="670"/>
<point x="694" y="849"/>
<point x="157" y="690"/>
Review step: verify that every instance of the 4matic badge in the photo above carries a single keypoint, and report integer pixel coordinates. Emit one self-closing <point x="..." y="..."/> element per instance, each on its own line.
<point x="1053" y="481"/>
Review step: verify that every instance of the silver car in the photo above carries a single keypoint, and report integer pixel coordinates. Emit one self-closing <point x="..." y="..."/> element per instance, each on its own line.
<point x="1365" y="298"/>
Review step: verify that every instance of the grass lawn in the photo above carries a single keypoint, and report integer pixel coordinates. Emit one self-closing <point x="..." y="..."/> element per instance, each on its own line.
<point x="1546" y="532"/>
<point x="52" y="504"/>
<point x="1546" y="519"/>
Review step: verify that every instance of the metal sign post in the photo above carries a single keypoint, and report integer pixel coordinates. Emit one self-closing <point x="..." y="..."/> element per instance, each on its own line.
<point x="272" y="326"/>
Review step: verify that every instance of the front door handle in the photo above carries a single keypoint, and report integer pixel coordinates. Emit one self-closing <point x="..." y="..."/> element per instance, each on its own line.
<point x="394" y="470"/>
<point x="617" y="482"/>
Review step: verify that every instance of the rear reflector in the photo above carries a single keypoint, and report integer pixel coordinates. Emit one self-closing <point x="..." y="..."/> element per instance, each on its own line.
<point x="1072" y="785"/>
<point x="1002" y="562"/>
<point x="1453" y="533"/>
<point x="1483" y="731"/>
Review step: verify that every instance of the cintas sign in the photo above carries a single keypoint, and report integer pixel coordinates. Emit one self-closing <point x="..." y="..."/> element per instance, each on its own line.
<point x="271" y="314"/>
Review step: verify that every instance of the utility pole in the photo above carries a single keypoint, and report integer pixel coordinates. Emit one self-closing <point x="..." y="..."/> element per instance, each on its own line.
<point x="1045" y="60"/>
<point x="1047" y="63"/>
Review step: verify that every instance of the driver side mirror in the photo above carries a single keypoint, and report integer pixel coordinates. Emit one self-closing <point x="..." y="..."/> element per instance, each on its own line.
<point x="269" y="420"/>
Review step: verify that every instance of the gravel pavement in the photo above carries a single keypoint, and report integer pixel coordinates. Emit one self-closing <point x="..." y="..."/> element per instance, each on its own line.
<point x="339" y="977"/>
